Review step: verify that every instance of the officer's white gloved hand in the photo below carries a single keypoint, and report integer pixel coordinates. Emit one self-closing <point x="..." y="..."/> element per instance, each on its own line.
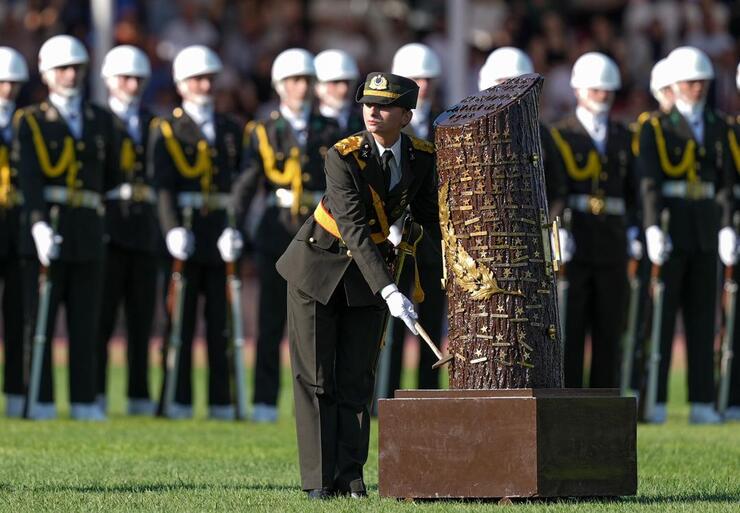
<point x="180" y="243"/>
<point x="396" y="232"/>
<point x="659" y="245"/>
<point x="634" y="246"/>
<point x="728" y="246"/>
<point x="400" y="306"/>
<point x="567" y="245"/>
<point x="47" y="242"/>
<point x="230" y="245"/>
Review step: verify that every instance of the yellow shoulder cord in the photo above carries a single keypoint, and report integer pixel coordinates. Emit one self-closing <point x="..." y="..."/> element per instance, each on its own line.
<point x="410" y="250"/>
<point x="67" y="160"/>
<point x="291" y="174"/>
<point x="641" y="120"/>
<point x="128" y="158"/>
<point x="734" y="149"/>
<point x="592" y="169"/>
<point x="5" y="188"/>
<point x="202" y="167"/>
<point x="688" y="160"/>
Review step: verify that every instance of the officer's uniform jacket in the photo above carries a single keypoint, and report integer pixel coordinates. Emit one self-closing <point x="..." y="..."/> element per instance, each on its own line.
<point x="602" y="190"/>
<point x="194" y="176"/>
<point x="358" y="210"/>
<point x="671" y="158"/>
<point x="11" y="199"/>
<point x="50" y="161"/>
<point x="733" y="138"/>
<point x="275" y="162"/>
<point x="130" y="212"/>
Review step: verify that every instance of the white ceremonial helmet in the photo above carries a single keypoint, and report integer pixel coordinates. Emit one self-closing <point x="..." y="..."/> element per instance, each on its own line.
<point x="61" y="51"/>
<point x="594" y="70"/>
<point x="126" y="60"/>
<point x="502" y="63"/>
<point x="689" y="63"/>
<point x="13" y="66"/>
<point x="416" y="60"/>
<point x="293" y="62"/>
<point x="195" y="60"/>
<point x="333" y="65"/>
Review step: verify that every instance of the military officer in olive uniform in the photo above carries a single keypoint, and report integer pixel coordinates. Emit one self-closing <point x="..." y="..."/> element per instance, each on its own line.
<point x="284" y="156"/>
<point x="596" y="163"/>
<point x="336" y="76"/>
<point x="195" y="158"/>
<point x="13" y="74"/>
<point x="340" y="288"/>
<point x="686" y="170"/>
<point x="132" y="229"/>
<point x="419" y="63"/>
<point x="65" y="162"/>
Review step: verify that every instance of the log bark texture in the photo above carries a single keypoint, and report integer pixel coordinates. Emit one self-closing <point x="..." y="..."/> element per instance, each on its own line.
<point x="501" y="289"/>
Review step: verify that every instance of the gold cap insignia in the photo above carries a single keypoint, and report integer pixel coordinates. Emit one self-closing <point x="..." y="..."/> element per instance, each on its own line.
<point x="378" y="83"/>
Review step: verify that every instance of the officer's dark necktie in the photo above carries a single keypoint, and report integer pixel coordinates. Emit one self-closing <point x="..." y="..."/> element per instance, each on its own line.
<point x="386" y="160"/>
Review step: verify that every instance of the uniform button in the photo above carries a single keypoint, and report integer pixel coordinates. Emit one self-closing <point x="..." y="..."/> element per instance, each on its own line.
<point x="579" y="156"/>
<point x="311" y="240"/>
<point x="603" y="176"/>
<point x="214" y="152"/>
<point x="139" y="148"/>
<point x="371" y="222"/>
<point x="80" y="145"/>
<point x="306" y="177"/>
<point x="279" y="155"/>
<point x="702" y="151"/>
<point x="215" y="170"/>
<point x="79" y="164"/>
<point x="138" y="166"/>
<point x="303" y="210"/>
<point x="304" y="159"/>
<point x="53" y="145"/>
<point x="349" y="253"/>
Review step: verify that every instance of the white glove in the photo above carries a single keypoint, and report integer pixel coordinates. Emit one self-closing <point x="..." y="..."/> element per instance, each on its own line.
<point x="47" y="242"/>
<point x="396" y="232"/>
<point x="634" y="246"/>
<point x="728" y="246"/>
<point x="400" y="306"/>
<point x="659" y="245"/>
<point x="567" y="245"/>
<point x="230" y="245"/>
<point x="180" y="243"/>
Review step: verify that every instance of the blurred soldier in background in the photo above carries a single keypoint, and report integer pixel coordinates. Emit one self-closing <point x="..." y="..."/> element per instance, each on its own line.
<point x="13" y="74"/>
<point x="131" y="263"/>
<point x="195" y="158"/>
<point x="419" y="63"/>
<point x="65" y="159"/>
<point x="596" y="164"/>
<point x="336" y="76"/>
<point x="686" y="170"/>
<point x="284" y="155"/>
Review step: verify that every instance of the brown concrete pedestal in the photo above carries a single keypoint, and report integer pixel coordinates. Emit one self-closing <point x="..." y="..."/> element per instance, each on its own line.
<point x="507" y="443"/>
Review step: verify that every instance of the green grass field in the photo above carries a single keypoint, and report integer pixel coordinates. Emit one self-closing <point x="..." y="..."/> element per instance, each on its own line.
<point x="128" y="464"/>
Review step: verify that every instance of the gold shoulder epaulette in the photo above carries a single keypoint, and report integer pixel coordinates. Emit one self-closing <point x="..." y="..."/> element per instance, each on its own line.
<point x="642" y="118"/>
<point x="348" y="145"/>
<point x="248" y="131"/>
<point x="422" y="145"/>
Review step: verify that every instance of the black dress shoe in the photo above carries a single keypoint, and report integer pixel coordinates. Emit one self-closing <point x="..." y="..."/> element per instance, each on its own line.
<point x="320" y="494"/>
<point x="360" y="494"/>
<point x="355" y="490"/>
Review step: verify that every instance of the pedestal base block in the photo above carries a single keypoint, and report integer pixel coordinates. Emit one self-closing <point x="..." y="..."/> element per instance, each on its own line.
<point x="507" y="443"/>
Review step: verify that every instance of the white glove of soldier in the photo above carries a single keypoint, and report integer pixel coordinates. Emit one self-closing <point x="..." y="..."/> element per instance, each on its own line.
<point x="659" y="245"/>
<point x="400" y="306"/>
<point x="728" y="246"/>
<point x="230" y="245"/>
<point x="567" y="245"/>
<point x="180" y="243"/>
<point x="634" y="246"/>
<point x="47" y="242"/>
<point x="396" y="232"/>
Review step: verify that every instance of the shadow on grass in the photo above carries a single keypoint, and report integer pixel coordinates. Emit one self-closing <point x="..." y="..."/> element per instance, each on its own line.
<point x="147" y="488"/>
<point x="643" y="499"/>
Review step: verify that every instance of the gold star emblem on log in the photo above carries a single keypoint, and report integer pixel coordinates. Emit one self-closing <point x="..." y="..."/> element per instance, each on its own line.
<point x="500" y="309"/>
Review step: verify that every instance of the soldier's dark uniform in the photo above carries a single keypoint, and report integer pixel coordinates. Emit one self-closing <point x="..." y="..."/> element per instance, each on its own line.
<point x="276" y="162"/>
<point x="734" y="148"/>
<point x="192" y="175"/>
<point x="335" y="268"/>
<point x="601" y="194"/>
<point x="11" y="270"/>
<point x="693" y="181"/>
<point x="431" y="310"/>
<point x="57" y="169"/>
<point x="133" y="250"/>
<point x="348" y="125"/>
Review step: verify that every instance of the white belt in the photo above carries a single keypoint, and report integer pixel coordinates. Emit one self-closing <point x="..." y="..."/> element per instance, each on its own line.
<point x="688" y="190"/>
<point x="597" y="205"/>
<point x="215" y="201"/>
<point x="283" y="198"/>
<point x="73" y="197"/>
<point x="137" y="192"/>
